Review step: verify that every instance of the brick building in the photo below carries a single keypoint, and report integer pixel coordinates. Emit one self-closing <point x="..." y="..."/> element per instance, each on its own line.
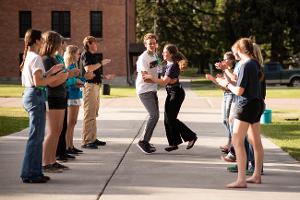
<point x="112" y="22"/>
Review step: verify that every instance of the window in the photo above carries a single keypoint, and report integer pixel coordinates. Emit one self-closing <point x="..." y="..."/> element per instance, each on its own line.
<point x="96" y="24"/>
<point x="24" y="22"/>
<point x="61" y="23"/>
<point x="20" y="58"/>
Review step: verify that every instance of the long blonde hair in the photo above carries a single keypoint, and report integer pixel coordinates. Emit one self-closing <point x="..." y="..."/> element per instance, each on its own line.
<point x="257" y="54"/>
<point x="70" y="55"/>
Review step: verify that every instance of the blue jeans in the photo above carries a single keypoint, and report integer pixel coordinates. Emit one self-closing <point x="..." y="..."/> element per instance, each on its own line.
<point x="34" y="104"/>
<point x="227" y="101"/>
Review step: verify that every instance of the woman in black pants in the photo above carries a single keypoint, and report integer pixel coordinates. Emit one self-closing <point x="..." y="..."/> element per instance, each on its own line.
<point x="175" y="129"/>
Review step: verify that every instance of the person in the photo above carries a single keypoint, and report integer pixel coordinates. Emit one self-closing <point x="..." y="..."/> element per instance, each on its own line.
<point x="34" y="79"/>
<point x="175" y="129"/>
<point x="57" y="104"/>
<point x="61" y="151"/>
<point x="147" y="91"/>
<point x="228" y="96"/>
<point x="91" y="102"/>
<point x="248" y="109"/>
<point x="74" y="95"/>
<point x="231" y="157"/>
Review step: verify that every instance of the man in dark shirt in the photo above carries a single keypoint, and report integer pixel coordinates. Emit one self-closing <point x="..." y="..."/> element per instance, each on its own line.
<point x="91" y="92"/>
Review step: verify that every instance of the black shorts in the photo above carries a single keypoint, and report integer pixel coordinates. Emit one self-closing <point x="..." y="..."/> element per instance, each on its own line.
<point x="251" y="112"/>
<point x="57" y="103"/>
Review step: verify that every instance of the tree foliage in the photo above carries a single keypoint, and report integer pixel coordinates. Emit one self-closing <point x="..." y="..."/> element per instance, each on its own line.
<point x="204" y="30"/>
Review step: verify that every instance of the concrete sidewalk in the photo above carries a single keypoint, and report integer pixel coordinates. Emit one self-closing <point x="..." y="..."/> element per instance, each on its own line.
<point x="121" y="171"/>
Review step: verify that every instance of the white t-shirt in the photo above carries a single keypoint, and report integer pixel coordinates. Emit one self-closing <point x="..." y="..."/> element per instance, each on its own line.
<point x="149" y="63"/>
<point x="33" y="62"/>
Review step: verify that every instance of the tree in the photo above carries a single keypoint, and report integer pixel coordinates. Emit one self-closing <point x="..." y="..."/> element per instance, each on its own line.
<point x="191" y="25"/>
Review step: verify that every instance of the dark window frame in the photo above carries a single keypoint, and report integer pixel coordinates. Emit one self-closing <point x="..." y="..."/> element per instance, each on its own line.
<point x="25" y="22"/>
<point x="96" y="26"/>
<point x="61" y="22"/>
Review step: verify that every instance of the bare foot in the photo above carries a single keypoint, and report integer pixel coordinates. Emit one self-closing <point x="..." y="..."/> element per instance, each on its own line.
<point x="236" y="185"/>
<point x="253" y="180"/>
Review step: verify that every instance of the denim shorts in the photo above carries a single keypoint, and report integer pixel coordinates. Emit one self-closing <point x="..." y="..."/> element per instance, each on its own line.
<point x="74" y="102"/>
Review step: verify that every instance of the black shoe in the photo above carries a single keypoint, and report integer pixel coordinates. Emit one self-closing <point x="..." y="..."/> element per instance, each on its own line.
<point x="191" y="143"/>
<point x="99" y="143"/>
<point x="51" y="169"/>
<point x="46" y="177"/>
<point x="90" y="146"/>
<point x="70" y="157"/>
<point x="171" y="148"/>
<point x="144" y="147"/>
<point x="42" y="179"/>
<point x="77" y="150"/>
<point x="62" y="158"/>
<point x="71" y="151"/>
<point x="152" y="148"/>
<point x="60" y="166"/>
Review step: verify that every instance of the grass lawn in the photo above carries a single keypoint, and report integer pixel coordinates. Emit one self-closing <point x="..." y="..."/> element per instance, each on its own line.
<point x="283" y="133"/>
<point x="12" y="120"/>
<point x="11" y="90"/>
<point x="203" y="87"/>
<point x="15" y="90"/>
<point x="120" y="91"/>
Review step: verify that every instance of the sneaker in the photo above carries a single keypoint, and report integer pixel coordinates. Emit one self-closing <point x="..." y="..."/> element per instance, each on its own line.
<point x="228" y="158"/>
<point x="62" y="158"/>
<point x="70" y="157"/>
<point x="46" y="177"/>
<point x="51" y="169"/>
<point x="233" y="168"/>
<point x="90" y="146"/>
<point x="250" y="171"/>
<point x="77" y="150"/>
<point x="42" y="179"/>
<point x="171" y="148"/>
<point x="72" y="151"/>
<point x="144" y="147"/>
<point x="99" y="143"/>
<point x="60" y="166"/>
<point x="152" y="148"/>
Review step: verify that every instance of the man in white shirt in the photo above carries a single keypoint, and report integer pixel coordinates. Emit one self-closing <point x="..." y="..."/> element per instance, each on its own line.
<point x="147" y="91"/>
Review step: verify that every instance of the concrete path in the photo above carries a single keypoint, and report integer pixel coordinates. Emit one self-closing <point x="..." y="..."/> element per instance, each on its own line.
<point x="121" y="171"/>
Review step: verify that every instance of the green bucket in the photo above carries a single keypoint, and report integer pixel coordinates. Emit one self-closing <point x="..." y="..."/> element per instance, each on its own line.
<point x="266" y="117"/>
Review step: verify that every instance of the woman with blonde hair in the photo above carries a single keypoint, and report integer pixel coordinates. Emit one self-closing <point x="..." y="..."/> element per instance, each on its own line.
<point x="248" y="109"/>
<point x="74" y="95"/>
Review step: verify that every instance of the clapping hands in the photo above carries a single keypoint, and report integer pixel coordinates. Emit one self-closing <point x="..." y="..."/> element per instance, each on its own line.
<point x="222" y="81"/>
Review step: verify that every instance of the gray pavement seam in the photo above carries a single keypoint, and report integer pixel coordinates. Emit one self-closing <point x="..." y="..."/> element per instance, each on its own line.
<point x="120" y="162"/>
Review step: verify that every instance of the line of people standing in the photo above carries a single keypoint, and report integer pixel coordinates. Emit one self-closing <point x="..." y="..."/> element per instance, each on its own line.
<point x="53" y="82"/>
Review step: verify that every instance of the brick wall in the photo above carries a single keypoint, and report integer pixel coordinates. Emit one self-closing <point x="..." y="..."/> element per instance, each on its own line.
<point x="112" y="45"/>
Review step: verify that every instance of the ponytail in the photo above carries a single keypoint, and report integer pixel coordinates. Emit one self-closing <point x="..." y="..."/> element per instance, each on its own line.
<point x="24" y="56"/>
<point x="31" y="36"/>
